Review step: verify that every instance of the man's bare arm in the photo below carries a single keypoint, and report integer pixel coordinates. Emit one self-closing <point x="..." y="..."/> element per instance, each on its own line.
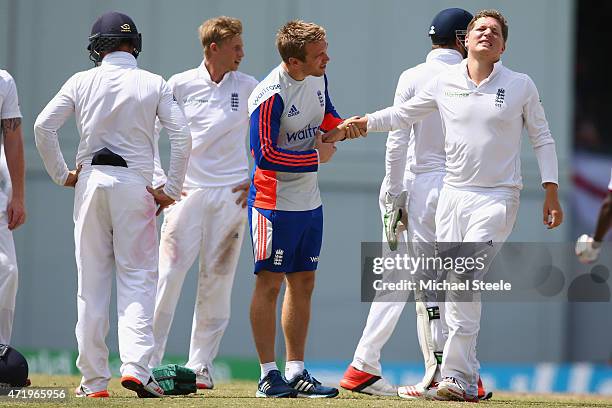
<point x="13" y="148"/>
<point x="605" y="219"/>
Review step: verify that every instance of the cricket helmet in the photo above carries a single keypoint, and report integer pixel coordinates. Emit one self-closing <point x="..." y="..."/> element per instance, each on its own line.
<point x="109" y="31"/>
<point x="449" y="24"/>
<point x="13" y="368"/>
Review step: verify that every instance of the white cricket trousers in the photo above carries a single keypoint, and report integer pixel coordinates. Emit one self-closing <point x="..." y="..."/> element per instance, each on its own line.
<point x="209" y="223"/>
<point x="8" y="278"/>
<point x="470" y="215"/>
<point x="383" y="316"/>
<point x="422" y="236"/>
<point x="114" y="228"/>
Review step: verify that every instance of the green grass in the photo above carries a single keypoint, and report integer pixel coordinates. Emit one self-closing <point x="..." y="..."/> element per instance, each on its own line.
<point x="241" y="395"/>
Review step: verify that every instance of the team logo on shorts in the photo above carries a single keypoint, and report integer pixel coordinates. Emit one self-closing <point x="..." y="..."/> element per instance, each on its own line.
<point x="278" y="257"/>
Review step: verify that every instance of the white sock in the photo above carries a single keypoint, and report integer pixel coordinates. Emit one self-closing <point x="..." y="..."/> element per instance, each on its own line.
<point x="267" y="367"/>
<point x="293" y="369"/>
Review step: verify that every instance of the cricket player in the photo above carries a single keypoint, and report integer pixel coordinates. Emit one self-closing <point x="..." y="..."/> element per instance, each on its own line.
<point x="12" y="199"/>
<point x="209" y="220"/>
<point x="288" y="110"/>
<point x="484" y="107"/>
<point x="414" y="161"/>
<point x="115" y="105"/>
<point x="588" y="247"/>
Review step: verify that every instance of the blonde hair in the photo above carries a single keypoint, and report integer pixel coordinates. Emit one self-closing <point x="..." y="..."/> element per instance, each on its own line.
<point x="493" y="14"/>
<point x="292" y="38"/>
<point x="218" y="29"/>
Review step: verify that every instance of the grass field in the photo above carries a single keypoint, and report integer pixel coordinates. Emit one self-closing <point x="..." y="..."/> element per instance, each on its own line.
<point x="241" y="394"/>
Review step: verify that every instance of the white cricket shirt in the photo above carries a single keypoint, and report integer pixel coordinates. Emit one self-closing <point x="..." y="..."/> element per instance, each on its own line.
<point x="426" y="137"/>
<point x="115" y="106"/>
<point x="218" y="119"/>
<point x="483" y="125"/>
<point x="9" y="109"/>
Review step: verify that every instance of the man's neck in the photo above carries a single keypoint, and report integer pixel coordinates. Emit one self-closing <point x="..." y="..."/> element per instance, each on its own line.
<point x="215" y="71"/>
<point x="295" y="74"/>
<point x="478" y="69"/>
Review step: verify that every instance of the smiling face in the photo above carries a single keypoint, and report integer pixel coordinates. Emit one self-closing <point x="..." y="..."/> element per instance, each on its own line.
<point x="485" y="39"/>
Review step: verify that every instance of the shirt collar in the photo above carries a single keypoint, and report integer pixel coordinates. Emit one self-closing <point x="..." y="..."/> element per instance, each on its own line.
<point x="447" y="55"/>
<point x="204" y="74"/>
<point x="288" y="79"/>
<point x="497" y="67"/>
<point x="119" y="58"/>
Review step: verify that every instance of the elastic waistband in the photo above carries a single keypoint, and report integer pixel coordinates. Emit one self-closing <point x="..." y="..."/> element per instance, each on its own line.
<point x="511" y="192"/>
<point x="433" y="173"/>
<point x="122" y="173"/>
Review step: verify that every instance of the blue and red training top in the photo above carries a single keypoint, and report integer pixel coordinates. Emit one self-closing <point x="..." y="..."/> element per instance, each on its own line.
<point x="285" y="117"/>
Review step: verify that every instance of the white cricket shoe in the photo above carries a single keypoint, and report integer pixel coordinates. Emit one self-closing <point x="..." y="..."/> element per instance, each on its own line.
<point x="418" y="392"/>
<point x="451" y="389"/>
<point x="204" y="379"/>
<point x="411" y="392"/>
<point x="81" y="393"/>
<point x="149" y="390"/>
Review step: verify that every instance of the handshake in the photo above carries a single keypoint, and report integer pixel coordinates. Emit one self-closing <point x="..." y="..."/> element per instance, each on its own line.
<point x="351" y="128"/>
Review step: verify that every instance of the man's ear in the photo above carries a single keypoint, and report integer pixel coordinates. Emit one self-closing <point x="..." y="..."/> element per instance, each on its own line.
<point x="292" y="61"/>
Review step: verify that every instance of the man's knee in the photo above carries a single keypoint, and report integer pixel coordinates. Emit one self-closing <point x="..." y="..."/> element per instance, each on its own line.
<point x="268" y="285"/>
<point x="302" y="282"/>
<point x="8" y="270"/>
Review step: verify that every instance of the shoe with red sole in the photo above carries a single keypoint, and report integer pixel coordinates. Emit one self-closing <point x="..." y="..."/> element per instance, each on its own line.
<point x="81" y="393"/>
<point x="482" y="394"/>
<point x="359" y="381"/>
<point x="204" y="380"/>
<point x="149" y="390"/>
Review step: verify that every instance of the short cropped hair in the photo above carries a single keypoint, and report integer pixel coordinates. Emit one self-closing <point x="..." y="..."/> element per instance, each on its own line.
<point x="292" y="38"/>
<point x="493" y="14"/>
<point x="218" y="29"/>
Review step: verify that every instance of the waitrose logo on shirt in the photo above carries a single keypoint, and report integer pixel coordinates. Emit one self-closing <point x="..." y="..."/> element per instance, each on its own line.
<point x="456" y="94"/>
<point x="306" y="133"/>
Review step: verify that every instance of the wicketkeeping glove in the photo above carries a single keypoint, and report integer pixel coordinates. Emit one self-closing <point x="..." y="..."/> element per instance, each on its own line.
<point x="587" y="250"/>
<point x="395" y="217"/>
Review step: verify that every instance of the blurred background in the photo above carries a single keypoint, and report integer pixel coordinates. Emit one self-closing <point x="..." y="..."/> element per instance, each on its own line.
<point x="536" y="346"/>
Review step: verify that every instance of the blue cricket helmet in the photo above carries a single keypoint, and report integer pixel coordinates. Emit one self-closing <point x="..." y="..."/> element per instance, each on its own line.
<point x="449" y="24"/>
<point x="110" y="30"/>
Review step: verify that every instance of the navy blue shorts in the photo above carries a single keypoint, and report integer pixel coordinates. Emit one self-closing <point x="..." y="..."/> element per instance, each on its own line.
<point x="286" y="241"/>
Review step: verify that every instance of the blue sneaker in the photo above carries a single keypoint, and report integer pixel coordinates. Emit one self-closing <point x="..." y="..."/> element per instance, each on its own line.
<point x="307" y="386"/>
<point x="274" y="385"/>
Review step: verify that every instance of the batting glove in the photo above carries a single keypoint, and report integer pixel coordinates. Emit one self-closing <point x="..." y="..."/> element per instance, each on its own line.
<point x="587" y="250"/>
<point x="395" y="217"/>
